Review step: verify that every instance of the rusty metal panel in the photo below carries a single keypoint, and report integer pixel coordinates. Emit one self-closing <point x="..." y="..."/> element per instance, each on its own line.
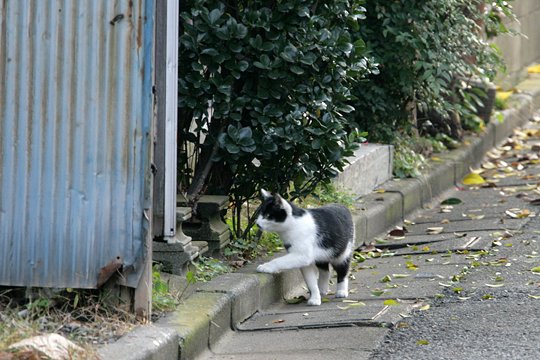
<point x="76" y="113"/>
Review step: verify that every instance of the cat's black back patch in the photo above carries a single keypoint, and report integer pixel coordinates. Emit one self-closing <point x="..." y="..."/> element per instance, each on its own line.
<point x="335" y="227"/>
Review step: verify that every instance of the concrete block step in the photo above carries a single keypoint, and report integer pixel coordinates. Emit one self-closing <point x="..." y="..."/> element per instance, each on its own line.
<point x="370" y="166"/>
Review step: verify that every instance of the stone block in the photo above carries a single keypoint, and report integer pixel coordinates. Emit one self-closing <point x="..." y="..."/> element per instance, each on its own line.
<point x="207" y="224"/>
<point x="370" y="167"/>
<point x="243" y="289"/>
<point x="414" y="193"/>
<point x="182" y="214"/>
<point x="382" y="210"/>
<point x="439" y="178"/>
<point x="173" y="256"/>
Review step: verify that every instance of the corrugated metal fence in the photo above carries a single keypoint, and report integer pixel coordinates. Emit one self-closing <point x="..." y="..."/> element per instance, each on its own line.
<point x="75" y="139"/>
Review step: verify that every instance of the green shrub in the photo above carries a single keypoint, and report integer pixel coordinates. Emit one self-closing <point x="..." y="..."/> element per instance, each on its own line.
<point x="277" y="75"/>
<point x="427" y="52"/>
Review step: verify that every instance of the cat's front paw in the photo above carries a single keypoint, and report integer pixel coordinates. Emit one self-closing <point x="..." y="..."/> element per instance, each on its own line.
<point x="314" y="301"/>
<point x="342" y="293"/>
<point x="324" y="290"/>
<point x="267" y="268"/>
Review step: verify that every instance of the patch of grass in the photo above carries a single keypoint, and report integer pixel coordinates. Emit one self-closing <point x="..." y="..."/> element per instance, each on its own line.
<point x="473" y="123"/>
<point x="408" y="161"/>
<point x="208" y="268"/>
<point x="501" y="104"/>
<point x="163" y="298"/>
<point x="86" y="317"/>
<point x="328" y="194"/>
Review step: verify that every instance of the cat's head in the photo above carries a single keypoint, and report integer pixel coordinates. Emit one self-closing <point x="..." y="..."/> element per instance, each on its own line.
<point x="274" y="212"/>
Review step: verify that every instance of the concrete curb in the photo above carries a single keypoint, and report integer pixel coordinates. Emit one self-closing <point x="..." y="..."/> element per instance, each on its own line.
<point x="218" y="306"/>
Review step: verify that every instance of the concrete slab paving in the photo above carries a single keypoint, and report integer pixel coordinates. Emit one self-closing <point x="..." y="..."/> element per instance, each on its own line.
<point x="466" y="226"/>
<point x="278" y="343"/>
<point x="469" y="242"/>
<point x="402" y="283"/>
<point x="329" y="314"/>
<point x="517" y="179"/>
<point x="442" y="243"/>
<point x="488" y="204"/>
<point x="294" y="355"/>
<point x="411" y="270"/>
<point x="387" y="262"/>
<point x="494" y="211"/>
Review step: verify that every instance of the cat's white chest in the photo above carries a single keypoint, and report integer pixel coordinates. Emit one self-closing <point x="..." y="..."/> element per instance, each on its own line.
<point x="300" y="234"/>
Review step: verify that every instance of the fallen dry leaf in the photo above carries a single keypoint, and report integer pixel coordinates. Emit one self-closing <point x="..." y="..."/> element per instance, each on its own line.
<point x="489" y="165"/>
<point x="435" y="230"/>
<point x="494" y="285"/>
<point x="400" y="276"/>
<point x="474" y="216"/>
<point x="518" y="213"/>
<point x="398" y="232"/>
<point x="446" y="208"/>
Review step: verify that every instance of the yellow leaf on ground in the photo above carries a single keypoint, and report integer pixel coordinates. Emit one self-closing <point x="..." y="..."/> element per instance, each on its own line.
<point x="503" y="95"/>
<point x="473" y="179"/>
<point x="535" y="69"/>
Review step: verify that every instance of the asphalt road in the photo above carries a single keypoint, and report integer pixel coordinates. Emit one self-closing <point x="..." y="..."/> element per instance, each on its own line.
<point x="481" y="322"/>
<point x="494" y="310"/>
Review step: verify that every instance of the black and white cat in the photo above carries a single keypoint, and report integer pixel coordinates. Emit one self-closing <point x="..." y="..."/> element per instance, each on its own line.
<point x="314" y="239"/>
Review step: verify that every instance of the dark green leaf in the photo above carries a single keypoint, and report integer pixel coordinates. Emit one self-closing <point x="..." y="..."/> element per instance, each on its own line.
<point x="451" y="201"/>
<point x="233" y="132"/>
<point x="297" y="70"/>
<point x="214" y="16"/>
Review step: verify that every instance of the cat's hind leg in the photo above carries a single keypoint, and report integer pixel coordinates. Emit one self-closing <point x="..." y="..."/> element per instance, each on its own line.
<point x="310" y="277"/>
<point x="342" y="270"/>
<point x="324" y="277"/>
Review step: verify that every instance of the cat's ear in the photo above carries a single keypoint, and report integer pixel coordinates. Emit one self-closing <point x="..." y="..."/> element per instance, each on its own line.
<point x="278" y="199"/>
<point x="265" y="194"/>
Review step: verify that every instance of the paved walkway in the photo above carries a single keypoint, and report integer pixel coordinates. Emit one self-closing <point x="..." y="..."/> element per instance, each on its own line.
<point x="473" y="251"/>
